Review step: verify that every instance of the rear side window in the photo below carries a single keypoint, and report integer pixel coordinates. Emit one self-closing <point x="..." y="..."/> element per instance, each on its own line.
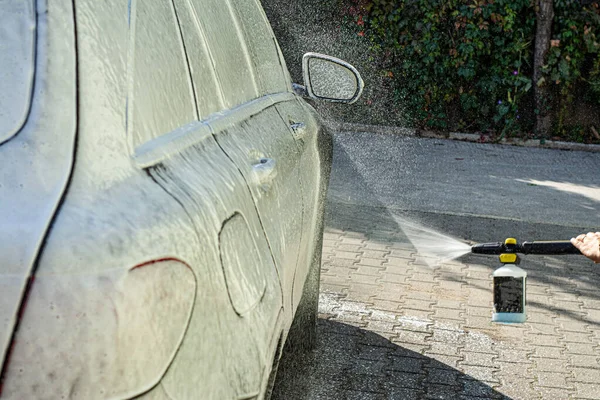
<point x="267" y="61"/>
<point x="232" y="52"/>
<point x="160" y="93"/>
<point x="230" y="57"/>
<point x="17" y="64"/>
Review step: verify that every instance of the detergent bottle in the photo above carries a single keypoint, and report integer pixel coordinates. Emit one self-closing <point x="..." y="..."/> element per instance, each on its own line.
<point x="509" y="287"/>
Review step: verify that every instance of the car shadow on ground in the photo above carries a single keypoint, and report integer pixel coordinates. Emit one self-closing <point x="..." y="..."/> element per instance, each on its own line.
<point x="352" y="363"/>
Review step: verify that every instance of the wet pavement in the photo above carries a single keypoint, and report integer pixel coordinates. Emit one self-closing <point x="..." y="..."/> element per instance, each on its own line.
<point x="398" y="324"/>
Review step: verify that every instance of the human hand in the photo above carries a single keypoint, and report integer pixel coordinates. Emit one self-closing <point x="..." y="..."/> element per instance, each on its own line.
<point x="589" y="245"/>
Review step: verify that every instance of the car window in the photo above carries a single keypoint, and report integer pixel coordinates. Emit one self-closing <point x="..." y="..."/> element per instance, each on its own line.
<point x="230" y="57"/>
<point x="232" y="52"/>
<point x="160" y="97"/>
<point x="269" y="66"/>
<point x="17" y="49"/>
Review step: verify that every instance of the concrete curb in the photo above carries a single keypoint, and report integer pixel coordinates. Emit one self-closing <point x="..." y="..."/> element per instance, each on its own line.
<point x="465" y="137"/>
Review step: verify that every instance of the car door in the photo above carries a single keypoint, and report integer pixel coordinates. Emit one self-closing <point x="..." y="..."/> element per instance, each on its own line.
<point x="236" y="37"/>
<point x="237" y="315"/>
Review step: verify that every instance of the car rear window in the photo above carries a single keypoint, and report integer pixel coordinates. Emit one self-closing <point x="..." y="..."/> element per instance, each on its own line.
<point x="17" y="64"/>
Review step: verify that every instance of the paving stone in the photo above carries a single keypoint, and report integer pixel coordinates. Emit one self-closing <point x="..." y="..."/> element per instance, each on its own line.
<point x="332" y="287"/>
<point x="430" y="297"/>
<point x="549" y="364"/>
<point x="369" y="367"/>
<point x="417" y="314"/>
<point x="415" y="348"/>
<point x="479" y="342"/>
<point x="442" y="376"/>
<point x="345" y="255"/>
<point x="593" y="316"/>
<point x="591" y="303"/>
<point x="573" y="306"/>
<point x="442" y="392"/>
<point x="396" y="270"/>
<point x="478" y="359"/>
<point x="365" y="279"/>
<point x="478" y="388"/>
<point x="421" y="277"/>
<point x="542" y="318"/>
<point x="404" y="394"/>
<point x="399" y="379"/>
<point x="406" y="336"/>
<point x="360" y="296"/>
<point x="348" y="248"/>
<point x="542" y="340"/>
<point x="587" y="390"/>
<point x="418" y="286"/>
<point x="543" y="329"/>
<point x="451" y="304"/>
<point x="480" y="312"/>
<point x="372" y="245"/>
<point x="522" y="370"/>
<point x="577" y="337"/>
<point x="373" y="353"/>
<point x="393" y="278"/>
<point x="581" y="348"/>
<point x="348" y="238"/>
<point x="392" y="289"/>
<point x="342" y="262"/>
<point x="479" y="275"/>
<point x="552" y="379"/>
<point x="440" y="361"/>
<point x="406" y="364"/>
<point x="448" y="314"/>
<point x="370" y="264"/>
<point x="518" y="389"/>
<point x="388" y="295"/>
<point x="364" y="288"/>
<point x="456" y="287"/>
<point x="443" y="349"/>
<point x="385" y="305"/>
<point x="378" y="254"/>
<point x="548" y="352"/>
<point x="554" y="393"/>
<point x="579" y="360"/>
<point x="472" y="321"/>
<point x="417" y="304"/>
<point x="585" y="375"/>
<point x="479" y="373"/>
<point x="452" y="336"/>
<point x="507" y="354"/>
<point x="380" y="326"/>
<point x="365" y="383"/>
<point x="342" y="272"/>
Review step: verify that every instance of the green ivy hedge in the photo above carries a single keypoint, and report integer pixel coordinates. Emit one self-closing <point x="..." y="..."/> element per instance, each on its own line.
<point x="467" y="64"/>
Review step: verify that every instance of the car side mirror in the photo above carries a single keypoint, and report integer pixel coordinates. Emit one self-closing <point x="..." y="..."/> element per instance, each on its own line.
<point x="329" y="78"/>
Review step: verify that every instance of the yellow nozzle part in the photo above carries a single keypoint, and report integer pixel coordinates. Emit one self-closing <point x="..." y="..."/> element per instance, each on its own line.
<point x="508" y="258"/>
<point x="510" y="241"/>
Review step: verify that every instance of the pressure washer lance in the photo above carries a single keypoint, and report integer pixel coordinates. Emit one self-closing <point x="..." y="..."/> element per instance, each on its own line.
<point x="510" y="280"/>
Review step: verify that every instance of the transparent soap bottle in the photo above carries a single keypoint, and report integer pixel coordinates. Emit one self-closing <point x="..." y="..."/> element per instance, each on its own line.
<point x="509" y="290"/>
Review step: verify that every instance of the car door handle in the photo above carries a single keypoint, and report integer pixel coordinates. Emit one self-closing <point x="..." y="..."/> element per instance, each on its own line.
<point x="264" y="172"/>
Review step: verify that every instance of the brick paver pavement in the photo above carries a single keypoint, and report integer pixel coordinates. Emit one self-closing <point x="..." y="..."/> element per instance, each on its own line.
<point x="396" y="325"/>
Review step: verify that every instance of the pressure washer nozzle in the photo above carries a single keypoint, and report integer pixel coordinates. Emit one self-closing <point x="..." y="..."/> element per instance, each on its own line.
<point x="553" y="247"/>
